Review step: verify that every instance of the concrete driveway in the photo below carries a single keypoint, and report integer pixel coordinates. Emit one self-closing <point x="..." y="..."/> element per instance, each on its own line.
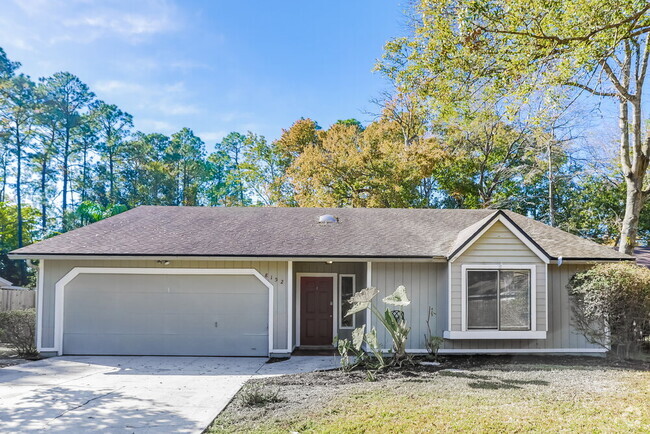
<point x="120" y="394"/>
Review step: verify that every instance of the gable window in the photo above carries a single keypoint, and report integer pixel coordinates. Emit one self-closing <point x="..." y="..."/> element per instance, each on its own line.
<point x="498" y="299"/>
<point x="346" y="290"/>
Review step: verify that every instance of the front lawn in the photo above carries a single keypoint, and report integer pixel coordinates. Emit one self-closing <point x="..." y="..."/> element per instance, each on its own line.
<point x="487" y="394"/>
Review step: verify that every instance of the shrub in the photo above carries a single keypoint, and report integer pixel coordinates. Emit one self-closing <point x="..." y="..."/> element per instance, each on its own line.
<point x="611" y="306"/>
<point x="255" y="395"/>
<point x="18" y="329"/>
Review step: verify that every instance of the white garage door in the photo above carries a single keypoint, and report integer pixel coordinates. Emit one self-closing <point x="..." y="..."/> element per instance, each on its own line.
<point x="198" y="315"/>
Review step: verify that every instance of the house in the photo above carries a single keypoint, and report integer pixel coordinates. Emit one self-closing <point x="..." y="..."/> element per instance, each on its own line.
<point x="6" y="284"/>
<point x="263" y="281"/>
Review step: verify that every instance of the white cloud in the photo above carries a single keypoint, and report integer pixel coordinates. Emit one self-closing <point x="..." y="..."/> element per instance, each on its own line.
<point x="179" y="109"/>
<point x="155" y="125"/>
<point x="167" y="99"/>
<point x="212" y="137"/>
<point x="41" y="22"/>
<point x="118" y="87"/>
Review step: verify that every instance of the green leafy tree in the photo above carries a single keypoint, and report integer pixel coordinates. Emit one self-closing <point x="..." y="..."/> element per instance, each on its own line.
<point x="488" y="159"/>
<point x="114" y="126"/>
<point x="64" y="96"/>
<point x="11" y="239"/>
<point x="17" y="104"/>
<point x="219" y="191"/>
<point x="519" y="53"/>
<point x="235" y="145"/>
<point x="261" y="170"/>
<point x="85" y="143"/>
<point x="187" y="152"/>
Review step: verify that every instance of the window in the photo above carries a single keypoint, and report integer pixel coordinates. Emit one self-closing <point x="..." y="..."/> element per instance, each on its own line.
<point x="346" y="290"/>
<point x="498" y="299"/>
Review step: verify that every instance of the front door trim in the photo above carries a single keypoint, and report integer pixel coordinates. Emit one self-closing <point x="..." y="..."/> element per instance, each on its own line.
<point x="335" y="296"/>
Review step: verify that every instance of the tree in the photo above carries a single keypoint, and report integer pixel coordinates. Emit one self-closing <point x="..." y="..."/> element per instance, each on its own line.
<point x="516" y="52"/>
<point x="65" y="96"/>
<point x="7" y="67"/>
<point x="188" y="152"/>
<point x="488" y="159"/>
<point x="301" y="135"/>
<point x="234" y="145"/>
<point x="11" y="236"/>
<point x="147" y="174"/>
<point x="219" y="191"/>
<point x="261" y="169"/>
<point x="114" y="126"/>
<point x="17" y="104"/>
<point x="41" y="161"/>
<point x="85" y="142"/>
<point x="369" y="168"/>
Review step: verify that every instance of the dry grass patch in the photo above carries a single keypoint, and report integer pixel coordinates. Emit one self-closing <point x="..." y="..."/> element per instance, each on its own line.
<point x="512" y="398"/>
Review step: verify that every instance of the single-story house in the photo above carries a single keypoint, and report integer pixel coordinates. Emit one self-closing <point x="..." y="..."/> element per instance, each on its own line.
<point x="7" y="284"/>
<point x="264" y="281"/>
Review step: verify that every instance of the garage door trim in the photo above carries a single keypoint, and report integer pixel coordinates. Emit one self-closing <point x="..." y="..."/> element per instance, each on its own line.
<point x="60" y="290"/>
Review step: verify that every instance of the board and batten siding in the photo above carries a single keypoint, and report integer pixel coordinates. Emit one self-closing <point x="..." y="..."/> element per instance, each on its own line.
<point x="497" y="246"/>
<point x="561" y="334"/>
<point x="274" y="271"/>
<point x="427" y="286"/>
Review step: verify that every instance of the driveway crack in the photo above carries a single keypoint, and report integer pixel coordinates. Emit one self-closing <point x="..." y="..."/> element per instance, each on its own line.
<point x="81" y="405"/>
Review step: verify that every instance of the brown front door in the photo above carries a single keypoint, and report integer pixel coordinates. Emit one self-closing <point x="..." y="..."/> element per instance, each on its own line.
<point x="316" y="310"/>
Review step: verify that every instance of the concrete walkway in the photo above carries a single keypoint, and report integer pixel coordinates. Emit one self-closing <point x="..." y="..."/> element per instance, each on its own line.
<point x="130" y="394"/>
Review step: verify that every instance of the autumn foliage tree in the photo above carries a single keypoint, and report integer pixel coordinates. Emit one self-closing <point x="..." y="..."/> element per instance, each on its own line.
<point x="348" y="166"/>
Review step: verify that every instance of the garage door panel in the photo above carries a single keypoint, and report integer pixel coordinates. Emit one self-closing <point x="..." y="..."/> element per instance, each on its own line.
<point x="134" y="314"/>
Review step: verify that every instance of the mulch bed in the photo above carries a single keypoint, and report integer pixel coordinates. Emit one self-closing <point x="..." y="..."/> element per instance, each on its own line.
<point x="335" y="377"/>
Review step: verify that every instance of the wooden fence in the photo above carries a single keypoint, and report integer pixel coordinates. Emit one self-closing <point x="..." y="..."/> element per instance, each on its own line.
<point x="16" y="299"/>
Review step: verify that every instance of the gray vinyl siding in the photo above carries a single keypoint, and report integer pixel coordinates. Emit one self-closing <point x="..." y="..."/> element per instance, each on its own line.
<point x="426" y="286"/>
<point x="356" y="268"/>
<point x="498" y="246"/>
<point x="561" y="333"/>
<point x="274" y="271"/>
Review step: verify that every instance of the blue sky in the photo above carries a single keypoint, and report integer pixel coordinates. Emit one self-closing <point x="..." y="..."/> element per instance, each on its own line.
<point x="213" y="66"/>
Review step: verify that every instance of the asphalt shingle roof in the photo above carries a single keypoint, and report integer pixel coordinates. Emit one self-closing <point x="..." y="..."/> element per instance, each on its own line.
<point x="295" y="232"/>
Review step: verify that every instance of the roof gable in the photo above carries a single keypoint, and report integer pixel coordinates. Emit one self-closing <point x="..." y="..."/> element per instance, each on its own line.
<point x="472" y="234"/>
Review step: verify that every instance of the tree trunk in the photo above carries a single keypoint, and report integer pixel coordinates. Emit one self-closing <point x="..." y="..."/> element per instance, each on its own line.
<point x="84" y="174"/>
<point x="633" y="204"/>
<point x="110" y="175"/>
<point x="551" y="202"/>
<point x="634" y="170"/>
<point x="64" y="204"/>
<point x="19" y="202"/>
<point x="44" y="195"/>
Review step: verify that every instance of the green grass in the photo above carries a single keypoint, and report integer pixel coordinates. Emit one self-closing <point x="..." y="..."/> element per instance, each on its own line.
<point x="501" y="400"/>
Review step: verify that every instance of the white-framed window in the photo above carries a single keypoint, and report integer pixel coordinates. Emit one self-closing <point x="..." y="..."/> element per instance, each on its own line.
<point x="347" y="288"/>
<point x="499" y="298"/>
